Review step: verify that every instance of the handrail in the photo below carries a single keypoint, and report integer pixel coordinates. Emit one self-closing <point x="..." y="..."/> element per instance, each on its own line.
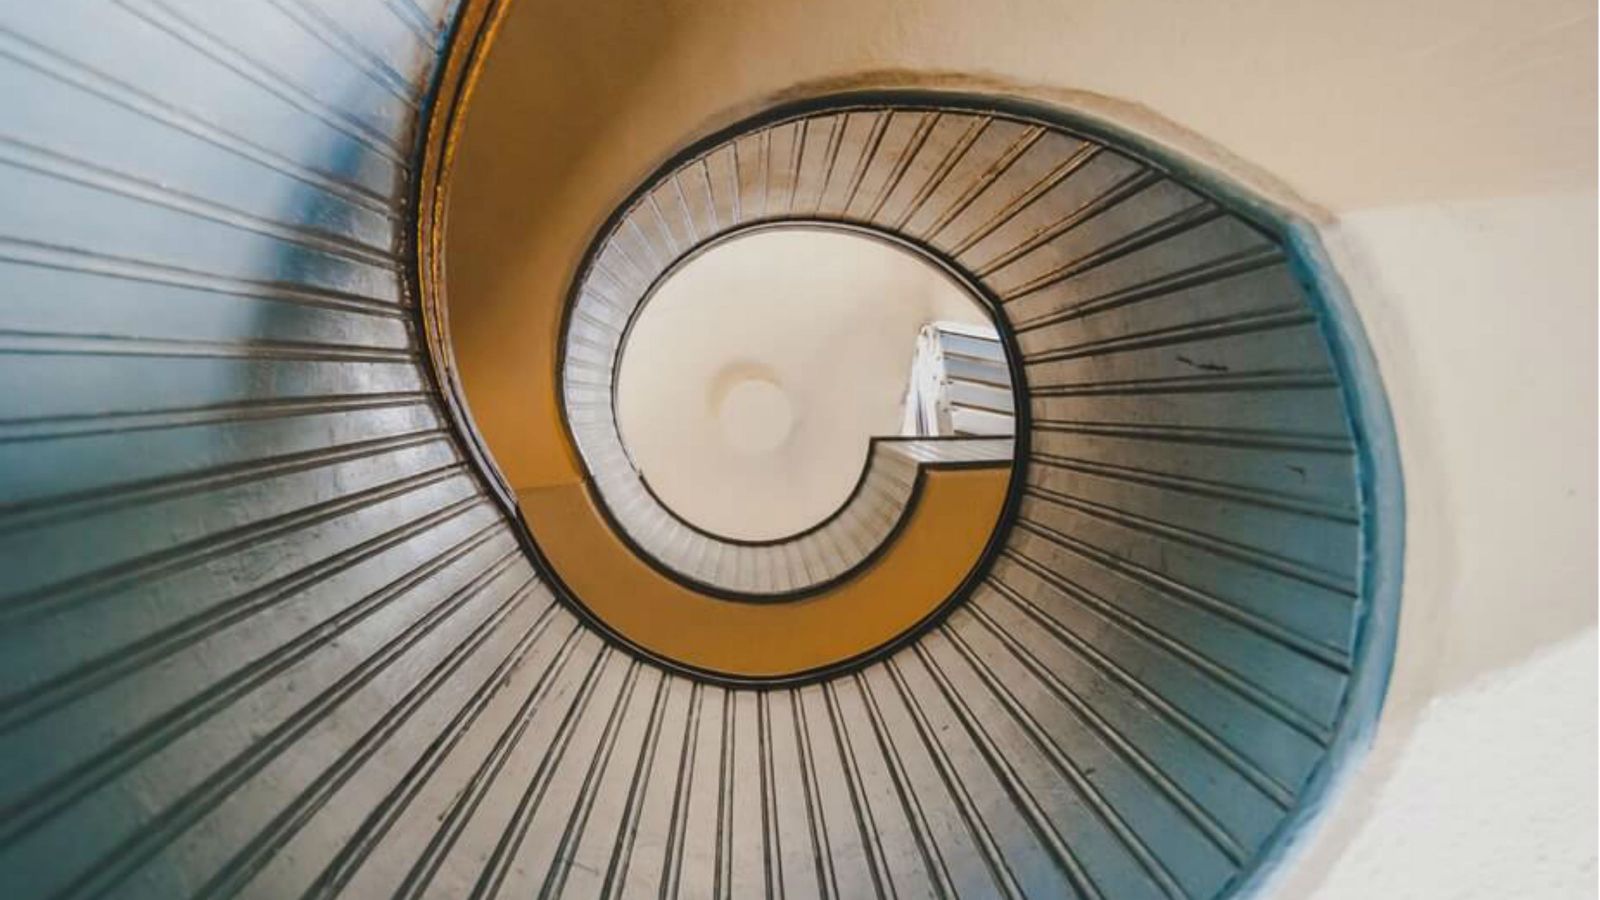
<point x="808" y="561"/>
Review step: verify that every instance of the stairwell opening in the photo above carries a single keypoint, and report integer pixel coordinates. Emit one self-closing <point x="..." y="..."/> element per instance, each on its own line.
<point x="752" y="379"/>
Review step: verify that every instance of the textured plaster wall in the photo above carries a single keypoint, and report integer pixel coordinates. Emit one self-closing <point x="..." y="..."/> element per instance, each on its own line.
<point x="1443" y="832"/>
<point x="1446" y="150"/>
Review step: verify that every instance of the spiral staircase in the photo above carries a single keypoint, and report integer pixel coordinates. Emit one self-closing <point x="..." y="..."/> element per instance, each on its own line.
<point x="275" y="623"/>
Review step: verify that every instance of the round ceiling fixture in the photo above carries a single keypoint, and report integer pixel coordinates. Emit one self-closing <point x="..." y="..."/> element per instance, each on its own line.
<point x="756" y="416"/>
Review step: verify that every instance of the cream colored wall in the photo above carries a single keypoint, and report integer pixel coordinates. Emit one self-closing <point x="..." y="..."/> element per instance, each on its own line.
<point x="1445" y="148"/>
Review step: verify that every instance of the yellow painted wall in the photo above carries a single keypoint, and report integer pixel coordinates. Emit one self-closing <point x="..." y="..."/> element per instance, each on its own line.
<point x="940" y="543"/>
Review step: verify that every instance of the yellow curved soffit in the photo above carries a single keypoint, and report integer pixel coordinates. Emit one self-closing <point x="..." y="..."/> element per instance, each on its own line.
<point x="941" y="542"/>
<point x="519" y="425"/>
